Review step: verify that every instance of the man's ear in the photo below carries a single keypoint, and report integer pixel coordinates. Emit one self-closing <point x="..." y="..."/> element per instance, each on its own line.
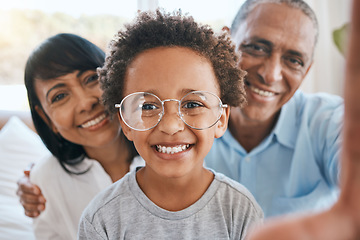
<point x="222" y="124"/>
<point x="308" y="69"/>
<point x="45" y="118"/>
<point x="126" y="130"/>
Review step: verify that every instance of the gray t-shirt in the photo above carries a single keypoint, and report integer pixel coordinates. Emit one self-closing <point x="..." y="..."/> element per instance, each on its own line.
<point x="123" y="211"/>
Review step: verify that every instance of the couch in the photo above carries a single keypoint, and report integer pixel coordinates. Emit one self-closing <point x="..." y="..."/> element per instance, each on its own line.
<point x="19" y="146"/>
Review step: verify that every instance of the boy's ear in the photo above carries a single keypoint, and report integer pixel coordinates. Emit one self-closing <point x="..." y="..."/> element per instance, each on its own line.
<point x="222" y="124"/>
<point x="45" y="118"/>
<point x="126" y="130"/>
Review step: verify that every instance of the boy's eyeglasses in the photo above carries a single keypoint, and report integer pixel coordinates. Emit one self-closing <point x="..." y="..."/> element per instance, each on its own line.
<point x="142" y="111"/>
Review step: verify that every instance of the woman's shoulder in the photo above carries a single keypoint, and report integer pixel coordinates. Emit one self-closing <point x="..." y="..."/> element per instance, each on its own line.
<point x="48" y="168"/>
<point x="44" y="167"/>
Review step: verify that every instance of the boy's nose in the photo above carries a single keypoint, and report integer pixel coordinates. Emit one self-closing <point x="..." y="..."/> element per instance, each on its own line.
<point x="171" y="122"/>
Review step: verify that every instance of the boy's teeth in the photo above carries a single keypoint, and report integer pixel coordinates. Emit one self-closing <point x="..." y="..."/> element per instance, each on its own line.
<point x="262" y="92"/>
<point x="94" y="121"/>
<point x="172" y="150"/>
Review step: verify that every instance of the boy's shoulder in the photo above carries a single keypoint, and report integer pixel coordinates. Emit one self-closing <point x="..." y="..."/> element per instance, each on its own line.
<point x="232" y="184"/>
<point x="230" y="190"/>
<point x="109" y="198"/>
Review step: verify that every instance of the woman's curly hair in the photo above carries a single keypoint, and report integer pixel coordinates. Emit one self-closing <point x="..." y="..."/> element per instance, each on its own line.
<point x="160" y="29"/>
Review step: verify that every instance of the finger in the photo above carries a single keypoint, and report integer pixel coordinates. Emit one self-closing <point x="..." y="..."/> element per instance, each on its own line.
<point x="355" y="17"/>
<point x="351" y="152"/>
<point x="352" y="86"/>
<point x="28" y="169"/>
<point x="29" y="207"/>
<point x="31" y="199"/>
<point x="27" y="187"/>
<point x="353" y="60"/>
<point x="32" y="214"/>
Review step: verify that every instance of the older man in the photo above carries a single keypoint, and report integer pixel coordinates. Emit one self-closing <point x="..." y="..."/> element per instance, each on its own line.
<point x="342" y="221"/>
<point x="284" y="145"/>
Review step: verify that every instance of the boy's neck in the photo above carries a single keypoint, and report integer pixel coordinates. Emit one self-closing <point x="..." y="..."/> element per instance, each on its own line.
<point x="174" y="194"/>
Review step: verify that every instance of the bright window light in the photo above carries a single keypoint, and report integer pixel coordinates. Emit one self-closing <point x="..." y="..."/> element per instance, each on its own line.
<point x="26" y="23"/>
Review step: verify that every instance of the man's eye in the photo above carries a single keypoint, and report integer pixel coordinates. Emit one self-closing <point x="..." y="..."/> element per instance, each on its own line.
<point x="294" y="62"/>
<point x="254" y="49"/>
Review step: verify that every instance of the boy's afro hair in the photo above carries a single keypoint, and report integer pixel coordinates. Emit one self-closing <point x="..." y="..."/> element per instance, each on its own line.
<point x="160" y="29"/>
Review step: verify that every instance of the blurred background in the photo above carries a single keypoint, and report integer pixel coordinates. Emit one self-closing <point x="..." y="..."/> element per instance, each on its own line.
<point x="24" y="24"/>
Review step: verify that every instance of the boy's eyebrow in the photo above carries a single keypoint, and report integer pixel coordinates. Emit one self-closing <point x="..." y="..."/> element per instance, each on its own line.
<point x="54" y="87"/>
<point x="183" y="91"/>
<point x="187" y="90"/>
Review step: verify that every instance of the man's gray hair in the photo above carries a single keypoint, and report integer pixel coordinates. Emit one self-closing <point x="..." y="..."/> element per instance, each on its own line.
<point x="249" y="5"/>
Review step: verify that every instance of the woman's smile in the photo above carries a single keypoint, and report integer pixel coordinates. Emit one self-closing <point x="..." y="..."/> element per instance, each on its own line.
<point x="96" y="123"/>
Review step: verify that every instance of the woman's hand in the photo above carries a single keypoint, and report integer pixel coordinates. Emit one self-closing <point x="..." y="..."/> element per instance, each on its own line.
<point x="30" y="195"/>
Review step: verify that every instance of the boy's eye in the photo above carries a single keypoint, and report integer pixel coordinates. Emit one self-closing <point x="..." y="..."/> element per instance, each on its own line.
<point x="192" y="104"/>
<point x="148" y="106"/>
<point x="149" y="110"/>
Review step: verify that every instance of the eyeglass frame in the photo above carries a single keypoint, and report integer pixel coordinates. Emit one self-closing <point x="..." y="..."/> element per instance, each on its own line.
<point x="118" y="105"/>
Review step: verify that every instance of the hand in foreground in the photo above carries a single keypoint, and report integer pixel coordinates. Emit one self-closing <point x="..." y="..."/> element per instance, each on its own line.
<point x="30" y="195"/>
<point x="342" y="221"/>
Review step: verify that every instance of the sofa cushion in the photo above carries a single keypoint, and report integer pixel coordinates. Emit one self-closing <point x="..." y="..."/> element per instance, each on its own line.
<point x="19" y="146"/>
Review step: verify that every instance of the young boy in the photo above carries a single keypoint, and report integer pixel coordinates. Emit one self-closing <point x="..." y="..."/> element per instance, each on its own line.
<point x="176" y="80"/>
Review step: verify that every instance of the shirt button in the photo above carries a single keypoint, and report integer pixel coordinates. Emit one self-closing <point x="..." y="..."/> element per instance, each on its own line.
<point x="247" y="159"/>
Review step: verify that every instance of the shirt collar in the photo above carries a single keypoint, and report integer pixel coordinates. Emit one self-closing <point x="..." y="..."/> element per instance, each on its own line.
<point x="284" y="131"/>
<point x="285" y="128"/>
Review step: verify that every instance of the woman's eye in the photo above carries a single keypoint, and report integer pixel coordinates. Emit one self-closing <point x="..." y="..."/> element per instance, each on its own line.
<point x="92" y="78"/>
<point x="58" y="97"/>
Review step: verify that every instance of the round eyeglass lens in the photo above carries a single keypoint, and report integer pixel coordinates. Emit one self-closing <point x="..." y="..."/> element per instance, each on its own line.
<point x="141" y="111"/>
<point x="200" y="110"/>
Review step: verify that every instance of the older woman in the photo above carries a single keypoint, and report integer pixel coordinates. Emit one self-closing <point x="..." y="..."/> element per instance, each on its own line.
<point x="89" y="150"/>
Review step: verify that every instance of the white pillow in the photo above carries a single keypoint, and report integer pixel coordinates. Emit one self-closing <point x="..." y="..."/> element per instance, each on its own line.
<point x="19" y="146"/>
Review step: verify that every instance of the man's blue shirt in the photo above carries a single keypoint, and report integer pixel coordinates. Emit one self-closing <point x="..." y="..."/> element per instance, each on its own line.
<point x="296" y="167"/>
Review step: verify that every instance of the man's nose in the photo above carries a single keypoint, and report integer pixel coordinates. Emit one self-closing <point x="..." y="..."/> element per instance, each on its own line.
<point x="271" y="69"/>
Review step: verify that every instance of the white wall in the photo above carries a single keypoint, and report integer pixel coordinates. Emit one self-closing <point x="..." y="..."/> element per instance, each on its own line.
<point x="327" y="71"/>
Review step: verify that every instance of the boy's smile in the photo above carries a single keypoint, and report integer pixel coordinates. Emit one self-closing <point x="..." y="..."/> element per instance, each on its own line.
<point x="172" y="149"/>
